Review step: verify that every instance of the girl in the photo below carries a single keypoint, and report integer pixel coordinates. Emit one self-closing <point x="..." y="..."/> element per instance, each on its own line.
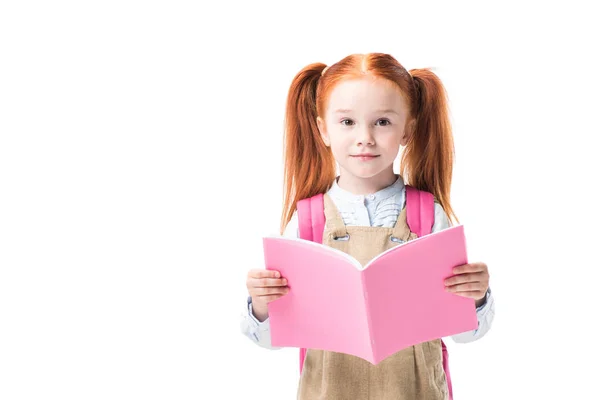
<point x="357" y="113"/>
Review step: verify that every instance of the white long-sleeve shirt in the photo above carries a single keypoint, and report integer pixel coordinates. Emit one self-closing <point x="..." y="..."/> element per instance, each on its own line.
<point x="378" y="209"/>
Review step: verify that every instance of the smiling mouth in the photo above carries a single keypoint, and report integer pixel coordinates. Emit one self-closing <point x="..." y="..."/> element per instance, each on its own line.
<point x="364" y="157"/>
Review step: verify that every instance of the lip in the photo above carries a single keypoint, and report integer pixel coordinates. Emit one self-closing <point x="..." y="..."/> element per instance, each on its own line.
<point x="365" y="156"/>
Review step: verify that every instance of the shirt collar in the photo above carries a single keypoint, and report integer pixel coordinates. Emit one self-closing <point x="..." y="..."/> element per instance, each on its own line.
<point x="338" y="192"/>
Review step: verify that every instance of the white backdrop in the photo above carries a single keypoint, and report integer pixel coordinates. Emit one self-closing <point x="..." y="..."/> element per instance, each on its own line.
<point x="140" y="165"/>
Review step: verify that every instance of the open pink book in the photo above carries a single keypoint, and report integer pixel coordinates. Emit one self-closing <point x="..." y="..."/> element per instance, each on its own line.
<point x="397" y="300"/>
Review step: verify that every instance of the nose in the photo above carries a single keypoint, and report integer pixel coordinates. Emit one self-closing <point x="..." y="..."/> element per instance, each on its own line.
<point x="365" y="137"/>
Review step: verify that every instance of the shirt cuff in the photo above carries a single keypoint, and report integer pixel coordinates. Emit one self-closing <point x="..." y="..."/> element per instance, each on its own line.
<point x="486" y="302"/>
<point x="262" y="325"/>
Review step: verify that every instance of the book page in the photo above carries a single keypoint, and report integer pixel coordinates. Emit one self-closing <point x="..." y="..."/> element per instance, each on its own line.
<point x="325" y="307"/>
<point x="406" y="296"/>
<point x="409" y="243"/>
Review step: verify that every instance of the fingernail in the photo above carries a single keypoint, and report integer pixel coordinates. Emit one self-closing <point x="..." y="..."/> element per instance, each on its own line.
<point x="284" y="281"/>
<point x="277" y="274"/>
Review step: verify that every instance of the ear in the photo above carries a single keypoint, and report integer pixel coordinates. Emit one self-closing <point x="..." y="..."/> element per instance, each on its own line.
<point x="323" y="131"/>
<point x="408" y="132"/>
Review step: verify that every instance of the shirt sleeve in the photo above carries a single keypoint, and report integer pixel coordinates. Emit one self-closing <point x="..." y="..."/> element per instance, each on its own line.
<point x="485" y="316"/>
<point x="259" y="332"/>
<point x="253" y="329"/>
<point x="485" y="312"/>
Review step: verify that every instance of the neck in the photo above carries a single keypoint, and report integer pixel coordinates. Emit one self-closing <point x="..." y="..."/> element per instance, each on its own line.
<point x="364" y="186"/>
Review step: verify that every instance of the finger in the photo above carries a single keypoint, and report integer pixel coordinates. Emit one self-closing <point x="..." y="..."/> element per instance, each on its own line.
<point x="466" y="287"/>
<point x="268" y="282"/>
<point x="474" y="294"/>
<point x="264" y="273"/>
<point x="468" y="268"/>
<point x="464" y="278"/>
<point x="267" y="291"/>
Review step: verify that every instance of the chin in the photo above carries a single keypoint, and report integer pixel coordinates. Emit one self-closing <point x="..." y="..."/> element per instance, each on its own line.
<point x="364" y="173"/>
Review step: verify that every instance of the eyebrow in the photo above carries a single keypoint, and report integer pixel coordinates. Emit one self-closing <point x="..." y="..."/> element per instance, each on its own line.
<point x="346" y="111"/>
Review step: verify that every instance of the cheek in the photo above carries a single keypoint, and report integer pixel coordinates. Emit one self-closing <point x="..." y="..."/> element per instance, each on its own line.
<point x="391" y="140"/>
<point x="345" y="143"/>
<point x="392" y="144"/>
<point x="338" y="138"/>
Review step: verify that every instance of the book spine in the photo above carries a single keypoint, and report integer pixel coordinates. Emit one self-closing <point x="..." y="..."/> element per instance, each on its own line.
<point x="371" y="337"/>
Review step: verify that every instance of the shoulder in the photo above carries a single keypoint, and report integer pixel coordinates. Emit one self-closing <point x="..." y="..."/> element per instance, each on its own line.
<point x="304" y="205"/>
<point x="441" y="220"/>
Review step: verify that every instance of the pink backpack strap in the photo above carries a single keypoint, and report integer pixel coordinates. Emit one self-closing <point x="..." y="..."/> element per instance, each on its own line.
<point x="311" y="218"/>
<point x="311" y="223"/>
<point x="420" y="216"/>
<point x="419" y="211"/>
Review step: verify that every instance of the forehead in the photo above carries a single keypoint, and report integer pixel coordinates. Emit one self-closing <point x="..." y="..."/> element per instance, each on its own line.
<point x="366" y="94"/>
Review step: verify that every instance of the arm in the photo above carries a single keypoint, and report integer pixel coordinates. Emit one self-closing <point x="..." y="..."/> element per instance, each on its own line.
<point x="254" y="329"/>
<point x="485" y="310"/>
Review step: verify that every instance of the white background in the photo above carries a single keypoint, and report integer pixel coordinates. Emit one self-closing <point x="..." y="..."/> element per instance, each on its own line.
<point x="140" y="165"/>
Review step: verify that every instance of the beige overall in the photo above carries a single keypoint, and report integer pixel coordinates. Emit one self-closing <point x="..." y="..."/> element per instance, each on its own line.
<point x="415" y="373"/>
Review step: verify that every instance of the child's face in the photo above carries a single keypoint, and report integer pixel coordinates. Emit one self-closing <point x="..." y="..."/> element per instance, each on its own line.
<point x="365" y="116"/>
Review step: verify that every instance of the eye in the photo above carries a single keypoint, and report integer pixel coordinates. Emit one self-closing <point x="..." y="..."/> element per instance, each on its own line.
<point x="346" y="119"/>
<point x="387" y="121"/>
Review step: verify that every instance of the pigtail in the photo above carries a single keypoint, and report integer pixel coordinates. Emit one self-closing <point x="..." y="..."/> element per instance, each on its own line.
<point x="428" y="158"/>
<point x="309" y="166"/>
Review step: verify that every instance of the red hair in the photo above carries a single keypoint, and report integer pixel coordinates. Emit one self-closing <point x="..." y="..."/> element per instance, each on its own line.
<point x="309" y="166"/>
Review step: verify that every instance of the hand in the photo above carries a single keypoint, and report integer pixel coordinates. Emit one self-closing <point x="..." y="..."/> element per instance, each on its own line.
<point x="470" y="280"/>
<point x="264" y="286"/>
